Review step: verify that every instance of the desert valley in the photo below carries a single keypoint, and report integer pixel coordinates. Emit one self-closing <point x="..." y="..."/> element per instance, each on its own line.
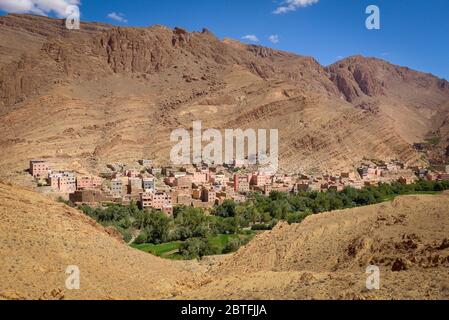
<point x="324" y="257"/>
<point x="86" y="117"/>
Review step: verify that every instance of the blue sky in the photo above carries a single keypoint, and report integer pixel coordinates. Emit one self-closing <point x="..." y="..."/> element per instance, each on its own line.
<point x="413" y="33"/>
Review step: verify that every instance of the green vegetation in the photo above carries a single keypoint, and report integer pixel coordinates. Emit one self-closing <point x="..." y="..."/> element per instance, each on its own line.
<point x="197" y="247"/>
<point x="433" y="141"/>
<point x="227" y="243"/>
<point x="191" y="233"/>
<point x="160" y="250"/>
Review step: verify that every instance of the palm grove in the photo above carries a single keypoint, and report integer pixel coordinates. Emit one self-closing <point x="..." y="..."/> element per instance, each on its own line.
<point x="192" y="226"/>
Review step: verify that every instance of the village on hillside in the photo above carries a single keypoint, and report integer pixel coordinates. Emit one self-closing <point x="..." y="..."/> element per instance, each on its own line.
<point x="204" y="186"/>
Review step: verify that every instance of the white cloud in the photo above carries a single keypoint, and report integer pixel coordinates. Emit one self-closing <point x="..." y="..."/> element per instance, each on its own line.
<point x="120" y="17"/>
<point x="41" y="7"/>
<point x="293" y="5"/>
<point x="274" y="38"/>
<point x="251" y="37"/>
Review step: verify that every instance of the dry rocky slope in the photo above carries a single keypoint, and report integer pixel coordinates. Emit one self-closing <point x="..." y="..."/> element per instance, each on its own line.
<point x="85" y="98"/>
<point x="40" y="239"/>
<point x="325" y="257"/>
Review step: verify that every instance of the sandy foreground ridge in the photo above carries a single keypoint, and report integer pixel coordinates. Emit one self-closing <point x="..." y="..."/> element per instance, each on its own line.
<point x="325" y="257"/>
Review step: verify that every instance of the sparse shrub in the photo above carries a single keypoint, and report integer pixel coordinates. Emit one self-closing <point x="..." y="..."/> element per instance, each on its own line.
<point x="296" y="217"/>
<point x="232" y="245"/>
<point x="195" y="248"/>
<point x="261" y="227"/>
<point x="142" y="237"/>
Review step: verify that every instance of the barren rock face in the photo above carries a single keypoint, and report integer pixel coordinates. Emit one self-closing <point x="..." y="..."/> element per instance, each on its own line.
<point x="346" y="84"/>
<point x="367" y="82"/>
<point x="356" y="79"/>
<point x="121" y="91"/>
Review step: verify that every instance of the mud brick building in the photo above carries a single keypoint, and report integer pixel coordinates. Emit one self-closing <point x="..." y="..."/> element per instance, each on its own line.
<point x="39" y="168"/>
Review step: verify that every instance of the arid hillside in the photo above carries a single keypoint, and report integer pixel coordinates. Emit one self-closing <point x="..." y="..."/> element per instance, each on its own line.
<point x="327" y="255"/>
<point x="41" y="238"/>
<point x="84" y="98"/>
<point x="324" y="257"/>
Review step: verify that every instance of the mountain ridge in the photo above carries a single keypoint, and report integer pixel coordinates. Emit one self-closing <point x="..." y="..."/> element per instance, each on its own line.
<point x="170" y="77"/>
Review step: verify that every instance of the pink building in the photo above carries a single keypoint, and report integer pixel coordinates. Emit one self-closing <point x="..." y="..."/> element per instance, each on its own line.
<point x="63" y="182"/>
<point x="39" y="168"/>
<point x="267" y="189"/>
<point x="157" y="200"/>
<point x="83" y="183"/>
<point x="220" y="179"/>
<point x="66" y="185"/>
<point x="260" y="180"/>
<point x="241" y="183"/>
<point x="200" y="177"/>
<point x="53" y="182"/>
<point x="208" y="195"/>
<point x="184" y="182"/>
<point x="88" y="182"/>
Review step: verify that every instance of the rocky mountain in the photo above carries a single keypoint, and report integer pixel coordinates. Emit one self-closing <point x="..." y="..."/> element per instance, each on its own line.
<point x="103" y="93"/>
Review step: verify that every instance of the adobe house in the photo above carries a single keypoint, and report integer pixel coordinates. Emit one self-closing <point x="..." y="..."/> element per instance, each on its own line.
<point x="89" y="196"/>
<point x="39" y="168"/>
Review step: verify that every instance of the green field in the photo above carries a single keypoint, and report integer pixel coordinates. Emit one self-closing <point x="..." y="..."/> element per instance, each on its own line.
<point x="170" y="250"/>
<point x="159" y="250"/>
<point x="220" y="241"/>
